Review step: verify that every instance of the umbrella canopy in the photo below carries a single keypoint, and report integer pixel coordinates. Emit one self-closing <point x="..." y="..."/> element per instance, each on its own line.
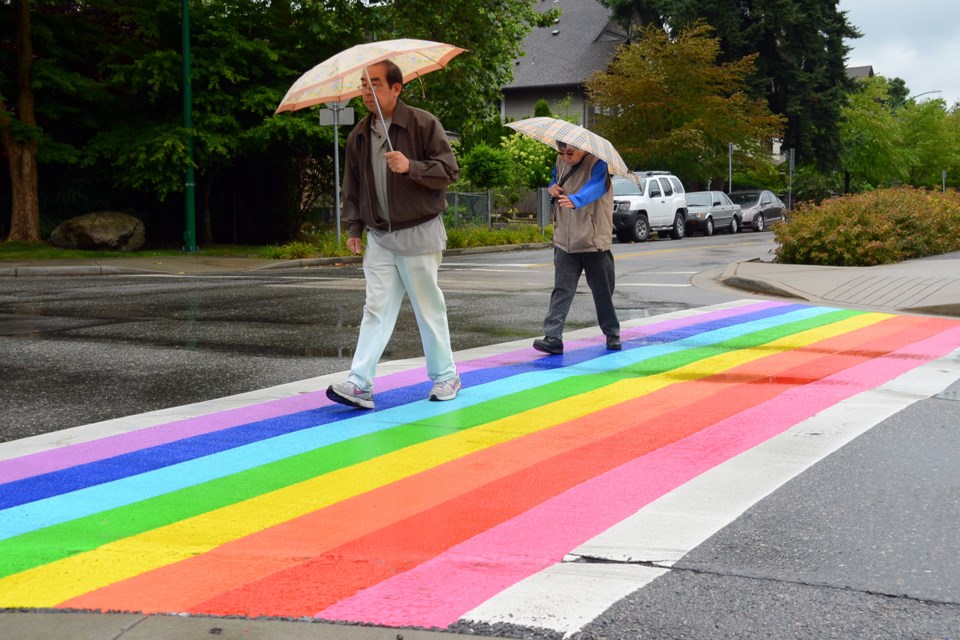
<point x="338" y="78"/>
<point x="552" y="130"/>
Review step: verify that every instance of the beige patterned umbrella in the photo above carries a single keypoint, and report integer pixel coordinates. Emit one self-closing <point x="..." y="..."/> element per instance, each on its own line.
<point x="552" y="130"/>
<point x="338" y="78"/>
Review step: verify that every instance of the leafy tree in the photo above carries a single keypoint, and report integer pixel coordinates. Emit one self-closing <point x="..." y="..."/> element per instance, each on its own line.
<point x="637" y="13"/>
<point x="667" y="103"/>
<point x="542" y="109"/>
<point x="18" y="132"/>
<point x="486" y="167"/>
<point x="897" y="92"/>
<point x="932" y="145"/>
<point x="871" y="135"/>
<point x="465" y="94"/>
<point x="109" y="123"/>
<point x="801" y="59"/>
<point x="910" y="142"/>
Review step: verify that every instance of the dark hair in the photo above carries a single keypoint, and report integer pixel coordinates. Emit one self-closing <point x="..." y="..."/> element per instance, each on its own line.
<point x="393" y="73"/>
<point x="561" y="145"/>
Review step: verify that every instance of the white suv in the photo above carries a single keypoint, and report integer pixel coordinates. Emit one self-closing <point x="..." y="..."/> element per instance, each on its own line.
<point x="649" y="201"/>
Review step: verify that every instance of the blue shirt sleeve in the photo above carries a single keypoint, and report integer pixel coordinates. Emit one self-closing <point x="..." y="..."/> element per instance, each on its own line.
<point x="595" y="188"/>
<point x="553" y="177"/>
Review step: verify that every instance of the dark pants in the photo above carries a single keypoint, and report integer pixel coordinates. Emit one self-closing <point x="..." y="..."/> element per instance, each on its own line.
<point x="601" y="277"/>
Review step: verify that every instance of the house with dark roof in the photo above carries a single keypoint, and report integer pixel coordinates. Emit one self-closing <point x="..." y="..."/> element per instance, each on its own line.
<point x="860" y="73"/>
<point x="558" y="60"/>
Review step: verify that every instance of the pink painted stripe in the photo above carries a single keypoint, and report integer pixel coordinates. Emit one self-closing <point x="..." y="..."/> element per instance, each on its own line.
<point x="470" y="573"/>
<point x="119" y="444"/>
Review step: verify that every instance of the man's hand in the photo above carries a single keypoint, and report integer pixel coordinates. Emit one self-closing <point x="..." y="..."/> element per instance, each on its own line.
<point x="566" y="203"/>
<point x="354" y="244"/>
<point x="555" y="190"/>
<point x="397" y="162"/>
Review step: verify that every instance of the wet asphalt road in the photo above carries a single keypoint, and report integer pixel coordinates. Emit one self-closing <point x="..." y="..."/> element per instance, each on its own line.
<point x="81" y="350"/>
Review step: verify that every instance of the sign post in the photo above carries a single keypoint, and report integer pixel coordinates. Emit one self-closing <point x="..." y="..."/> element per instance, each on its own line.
<point x="336" y="113"/>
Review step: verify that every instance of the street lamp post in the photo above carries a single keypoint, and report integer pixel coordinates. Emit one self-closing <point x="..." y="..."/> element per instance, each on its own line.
<point x="894" y="107"/>
<point x="190" y="215"/>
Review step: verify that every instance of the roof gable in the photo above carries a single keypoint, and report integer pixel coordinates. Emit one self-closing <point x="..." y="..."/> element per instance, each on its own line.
<point x="581" y="42"/>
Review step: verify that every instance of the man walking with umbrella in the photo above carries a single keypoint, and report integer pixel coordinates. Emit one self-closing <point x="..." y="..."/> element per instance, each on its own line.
<point x="582" y="202"/>
<point x="398" y="166"/>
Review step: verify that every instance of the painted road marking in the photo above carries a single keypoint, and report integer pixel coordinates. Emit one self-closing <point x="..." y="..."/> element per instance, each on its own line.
<point x="280" y="504"/>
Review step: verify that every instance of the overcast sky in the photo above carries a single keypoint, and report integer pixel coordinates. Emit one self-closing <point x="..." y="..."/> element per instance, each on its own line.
<point x="918" y="41"/>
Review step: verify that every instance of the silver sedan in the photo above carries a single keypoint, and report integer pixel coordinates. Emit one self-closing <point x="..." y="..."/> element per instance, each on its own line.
<point x="709" y="211"/>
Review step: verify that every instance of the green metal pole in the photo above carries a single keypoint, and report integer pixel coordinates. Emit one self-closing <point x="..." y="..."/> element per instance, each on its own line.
<point x="190" y="210"/>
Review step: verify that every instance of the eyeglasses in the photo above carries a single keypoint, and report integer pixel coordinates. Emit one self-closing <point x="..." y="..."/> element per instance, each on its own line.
<point x="568" y="153"/>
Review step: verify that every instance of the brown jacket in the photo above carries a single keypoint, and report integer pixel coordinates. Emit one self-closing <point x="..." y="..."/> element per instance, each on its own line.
<point x="413" y="198"/>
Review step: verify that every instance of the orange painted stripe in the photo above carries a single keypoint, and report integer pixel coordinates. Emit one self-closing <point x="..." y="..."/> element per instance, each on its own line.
<point x="330" y="530"/>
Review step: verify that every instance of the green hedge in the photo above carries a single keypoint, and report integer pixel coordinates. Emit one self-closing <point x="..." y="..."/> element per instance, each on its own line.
<point x="867" y="229"/>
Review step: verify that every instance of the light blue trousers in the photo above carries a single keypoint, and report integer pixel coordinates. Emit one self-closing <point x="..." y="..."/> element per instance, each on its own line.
<point x="388" y="277"/>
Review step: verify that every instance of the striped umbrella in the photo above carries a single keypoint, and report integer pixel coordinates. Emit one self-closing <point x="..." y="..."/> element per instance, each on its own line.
<point x="552" y="130"/>
<point x="338" y="78"/>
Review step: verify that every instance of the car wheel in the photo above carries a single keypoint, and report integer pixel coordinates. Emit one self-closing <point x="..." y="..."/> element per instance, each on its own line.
<point x="679" y="227"/>
<point x="758" y="222"/>
<point x="708" y="227"/>
<point x="734" y="225"/>
<point x="641" y="230"/>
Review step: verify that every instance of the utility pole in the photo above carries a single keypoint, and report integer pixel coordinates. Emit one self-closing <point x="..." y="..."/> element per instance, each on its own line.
<point x="729" y="167"/>
<point x="190" y="185"/>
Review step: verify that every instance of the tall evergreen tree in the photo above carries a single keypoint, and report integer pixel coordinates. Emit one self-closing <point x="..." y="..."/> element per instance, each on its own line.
<point x="801" y="66"/>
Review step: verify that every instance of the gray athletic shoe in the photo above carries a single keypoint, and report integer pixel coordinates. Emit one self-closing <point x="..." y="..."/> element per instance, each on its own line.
<point x="445" y="389"/>
<point x="350" y="394"/>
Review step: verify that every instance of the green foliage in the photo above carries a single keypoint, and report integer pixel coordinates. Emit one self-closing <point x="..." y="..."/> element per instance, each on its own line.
<point x="466" y="93"/>
<point x="474" y="236"/>
<point x="486" y="167"/>
<point x="801" y="64"/>
<point x="809" y="185"/>
<point x="532" y="161"/>
<point x="878" y="227"/>
<point x="910" y="142"/>
<point x="289" y="251"/>
<point x="542" y="109"/>
<point x="110" y="111"/>
<point x="667" y="104"/>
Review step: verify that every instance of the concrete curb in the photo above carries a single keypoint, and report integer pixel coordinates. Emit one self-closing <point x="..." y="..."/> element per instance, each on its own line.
<point x="302" y="263"/>
<point x="731" y="278"/>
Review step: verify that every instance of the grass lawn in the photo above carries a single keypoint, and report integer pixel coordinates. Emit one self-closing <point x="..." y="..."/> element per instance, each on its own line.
<point x="28" y="251"/>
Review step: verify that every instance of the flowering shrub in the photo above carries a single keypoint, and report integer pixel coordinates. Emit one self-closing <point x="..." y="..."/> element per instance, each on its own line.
<point x="877" y="227"/>
<point x="532" y="160"/>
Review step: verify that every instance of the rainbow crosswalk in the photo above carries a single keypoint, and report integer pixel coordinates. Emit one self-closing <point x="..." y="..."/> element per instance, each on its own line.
<point x="419" y="513"/>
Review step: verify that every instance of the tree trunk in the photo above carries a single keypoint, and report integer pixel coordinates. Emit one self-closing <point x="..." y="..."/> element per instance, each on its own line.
<point x="21" y="150"/>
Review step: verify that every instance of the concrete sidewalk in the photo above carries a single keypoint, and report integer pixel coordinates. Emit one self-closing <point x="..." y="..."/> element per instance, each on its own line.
<point x="926" y="286"/>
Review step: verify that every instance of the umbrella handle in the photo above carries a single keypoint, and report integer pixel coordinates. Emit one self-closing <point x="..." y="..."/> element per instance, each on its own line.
<point x="379" y="112"/>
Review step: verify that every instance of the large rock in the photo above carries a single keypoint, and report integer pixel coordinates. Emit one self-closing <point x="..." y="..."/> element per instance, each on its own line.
<point x="100" y="230"/>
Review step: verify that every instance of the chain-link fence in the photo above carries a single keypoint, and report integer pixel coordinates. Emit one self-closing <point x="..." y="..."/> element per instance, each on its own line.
<point x="468" y="209"/>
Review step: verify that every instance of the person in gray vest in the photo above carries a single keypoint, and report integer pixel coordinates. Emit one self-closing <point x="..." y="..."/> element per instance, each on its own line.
<point x="582" y="211"/>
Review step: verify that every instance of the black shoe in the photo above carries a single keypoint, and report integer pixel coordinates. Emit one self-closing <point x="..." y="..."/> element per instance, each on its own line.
<point x="549" y="344"/>
<point x="613" y="343"/>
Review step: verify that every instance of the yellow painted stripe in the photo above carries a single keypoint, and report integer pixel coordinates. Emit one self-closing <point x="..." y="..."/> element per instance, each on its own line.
<point x="49" y="585"/>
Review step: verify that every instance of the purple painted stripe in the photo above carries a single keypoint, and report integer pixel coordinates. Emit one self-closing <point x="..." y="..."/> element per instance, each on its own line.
<point x="85" y="452"/>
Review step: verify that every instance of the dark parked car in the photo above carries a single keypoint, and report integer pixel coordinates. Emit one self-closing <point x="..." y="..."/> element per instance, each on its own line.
<point x="761" y="207"/>
<point x="709" y="211"/>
